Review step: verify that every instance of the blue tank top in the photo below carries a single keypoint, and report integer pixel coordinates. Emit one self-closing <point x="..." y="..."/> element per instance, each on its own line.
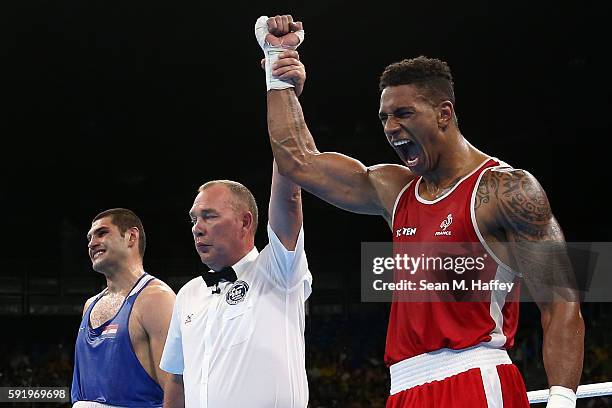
<point x="106" y="369"/>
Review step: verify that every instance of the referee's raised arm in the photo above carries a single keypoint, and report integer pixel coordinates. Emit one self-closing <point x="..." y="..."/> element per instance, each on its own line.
<point x="285" y="210"/>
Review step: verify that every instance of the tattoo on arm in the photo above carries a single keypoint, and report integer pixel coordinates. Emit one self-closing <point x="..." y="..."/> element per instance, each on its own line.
<point x="536" y="240"/>
<point x="487" y="184"/>
<point x="541" y="253"/>
<point x="536" y="248"/>
<point x="522" y="205"/>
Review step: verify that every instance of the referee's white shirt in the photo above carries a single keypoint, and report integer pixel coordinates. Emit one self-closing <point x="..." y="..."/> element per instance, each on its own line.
<point x="244" y="348"/>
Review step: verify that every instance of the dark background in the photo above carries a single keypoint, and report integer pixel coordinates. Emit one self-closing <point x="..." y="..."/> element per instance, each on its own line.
<point x="135" y="104"/>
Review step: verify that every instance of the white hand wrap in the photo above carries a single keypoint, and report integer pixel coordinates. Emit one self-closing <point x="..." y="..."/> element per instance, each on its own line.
<point x="271" y="53"/>
<point x="561" y="397"/>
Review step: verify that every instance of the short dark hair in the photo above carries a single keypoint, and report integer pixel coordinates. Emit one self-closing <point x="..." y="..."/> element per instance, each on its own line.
<point x="431" y="75"/>
<point x="125" y="219"/>
<point x="243" y="197"/>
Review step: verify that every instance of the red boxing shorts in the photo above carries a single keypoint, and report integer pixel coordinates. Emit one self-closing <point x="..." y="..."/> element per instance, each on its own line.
<point x="478" y="377"/>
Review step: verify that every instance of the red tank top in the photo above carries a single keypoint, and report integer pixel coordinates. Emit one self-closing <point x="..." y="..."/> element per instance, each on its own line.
<point x="420" y="327"/>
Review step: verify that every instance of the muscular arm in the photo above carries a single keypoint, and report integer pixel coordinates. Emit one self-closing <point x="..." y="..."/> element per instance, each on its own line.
<point x="523" y="213"/>
<point x="336" y="178"/>
<point x="155" y="313"/>
<point x="174" y="392"/>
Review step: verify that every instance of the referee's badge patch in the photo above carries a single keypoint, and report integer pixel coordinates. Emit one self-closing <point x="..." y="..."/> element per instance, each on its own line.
<point x="237" y="292"/>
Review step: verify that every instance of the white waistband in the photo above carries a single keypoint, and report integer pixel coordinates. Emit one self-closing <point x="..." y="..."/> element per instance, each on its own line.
<point x="440" y="364"/>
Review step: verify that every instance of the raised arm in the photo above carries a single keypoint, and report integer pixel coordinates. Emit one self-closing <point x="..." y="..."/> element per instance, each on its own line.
<point x="336" y="178"/>
<point x="285" y="210"/>
<point x="537" y="245"/>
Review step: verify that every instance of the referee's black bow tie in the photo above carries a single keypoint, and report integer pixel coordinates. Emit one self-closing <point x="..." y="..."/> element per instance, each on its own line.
<point x="212" y="278"/>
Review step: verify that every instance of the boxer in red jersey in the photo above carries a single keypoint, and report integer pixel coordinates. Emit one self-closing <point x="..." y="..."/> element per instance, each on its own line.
<point x="439" y="354"/>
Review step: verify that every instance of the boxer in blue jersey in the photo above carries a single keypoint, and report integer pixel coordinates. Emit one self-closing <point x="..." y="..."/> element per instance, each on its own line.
<point x="124" y="327"/>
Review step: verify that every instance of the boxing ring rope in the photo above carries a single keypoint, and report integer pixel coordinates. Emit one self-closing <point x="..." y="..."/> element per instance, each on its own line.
<point x="584" y="391"/>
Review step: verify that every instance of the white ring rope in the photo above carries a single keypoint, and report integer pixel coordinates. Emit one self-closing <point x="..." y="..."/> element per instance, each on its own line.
<point x="584" y="391"/>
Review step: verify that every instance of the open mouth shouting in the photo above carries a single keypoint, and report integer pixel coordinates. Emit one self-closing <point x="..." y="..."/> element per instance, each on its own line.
<point x="408" y="151"/>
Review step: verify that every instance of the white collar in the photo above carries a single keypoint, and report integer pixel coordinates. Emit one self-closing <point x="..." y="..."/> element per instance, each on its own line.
<point x="246" y="261"/>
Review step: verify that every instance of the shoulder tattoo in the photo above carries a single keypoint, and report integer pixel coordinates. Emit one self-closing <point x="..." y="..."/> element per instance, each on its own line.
<point x="522" y="204"/>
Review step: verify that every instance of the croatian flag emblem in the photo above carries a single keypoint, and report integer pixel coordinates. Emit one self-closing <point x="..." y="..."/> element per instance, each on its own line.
<point x="110" y="330"/>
